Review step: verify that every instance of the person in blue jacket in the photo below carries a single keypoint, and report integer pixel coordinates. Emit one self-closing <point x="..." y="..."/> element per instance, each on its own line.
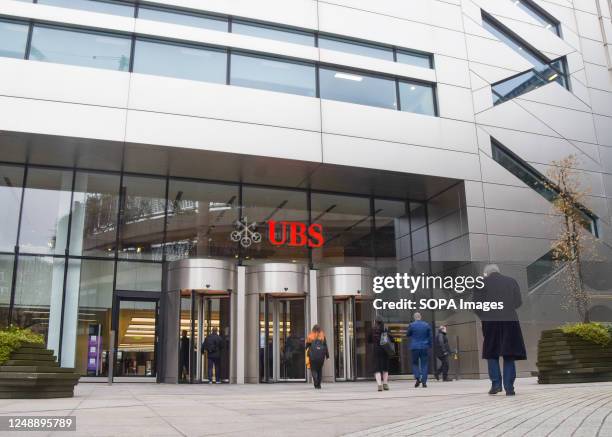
<point x="420" y="335"/>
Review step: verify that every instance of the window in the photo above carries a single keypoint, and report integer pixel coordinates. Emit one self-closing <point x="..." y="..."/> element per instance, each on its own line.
<point x="273" y="75"/>
<point x="13" y="39"/>
<point x="80" y="48"/>
<point x="6" y="283"/>
<point x="357" y="88"/>
<point x="105" y="7"/>
<point x="11" y="181"/>
<point x="417" y="98"/>
<point x="536" y="180"/>
<point x="183" y="18"/>
<point x="139" y="276"/>
<point x="94" y="214"/>
<point x="273" y="32"/>
<point x="416" y="59"/>
<point x="356" y="48"/>
<point x="184" y="62"/>
<point x="540" y="15"/>
<point x="46" y="208"/>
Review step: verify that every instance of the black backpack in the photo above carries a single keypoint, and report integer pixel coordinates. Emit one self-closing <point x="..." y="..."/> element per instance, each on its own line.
<point x="317" y="351"/>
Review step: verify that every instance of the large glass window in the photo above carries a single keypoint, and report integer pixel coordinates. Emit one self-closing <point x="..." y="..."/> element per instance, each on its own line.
<point x="6" y="282"/>
<point x="541" y="16"/>
<point x="11" y="181"/>
<point x="356" y="48"/>
<point x="272" y="32"/>
<point x="184" y="62"/>
<point x="38" y="297"/>
<point x="273" y="74"/>
<point x="261" y="207"/>
<point x="358" y="88"/>
<point x="76" y="47"/>
<point x="416" y="59"/>
<point x="201" y="218"/>
<point x="94" y="214"/>
<point x="139" y="276"/>
<point x="142" y="219"/>
<point x="102" y="6"/>
<point x="417" y="97"/>
<point x="46" y="209"/>
<point x="347" y="230"/>
<point x="183" y="18"/>
<point x="13" y="39"/>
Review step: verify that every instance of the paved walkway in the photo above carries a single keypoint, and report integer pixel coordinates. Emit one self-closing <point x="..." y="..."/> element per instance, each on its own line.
<point x="443" y="409"/>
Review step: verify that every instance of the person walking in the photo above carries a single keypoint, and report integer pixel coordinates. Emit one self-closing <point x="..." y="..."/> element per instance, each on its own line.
<point x="213" y="345"/>
<point x="184" y="356"/>
<point x="443" y="351"/>
<point x="383" y="348"/>
<point x="419" y="332"/>
<point x="316" y="346"/>
<point x="501" y="330"/>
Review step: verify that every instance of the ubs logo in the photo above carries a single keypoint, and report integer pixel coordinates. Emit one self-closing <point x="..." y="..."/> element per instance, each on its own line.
<point x="295" y="234"/>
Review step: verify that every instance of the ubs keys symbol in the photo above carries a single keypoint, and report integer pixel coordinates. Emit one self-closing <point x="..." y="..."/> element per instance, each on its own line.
<point x="245" y="233"/>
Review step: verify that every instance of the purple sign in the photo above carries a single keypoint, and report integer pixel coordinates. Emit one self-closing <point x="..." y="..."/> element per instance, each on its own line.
<point x="94" y="347"/>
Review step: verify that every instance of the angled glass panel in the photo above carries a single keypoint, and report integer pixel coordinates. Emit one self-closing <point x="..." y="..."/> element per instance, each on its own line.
<point x="184" y="62"/>
<point x="11" y="183"/>
<point x="357" y="88"/>
<point x="76" y="47"/>
<point x="13" y="39"/>
<point x="539" y="15"/>
<point x="183" y="18"/>
<point x="514" y="87"/>
<point x="104" y="7"/>
<point x="416" y="59"/>
<point x="355" y="48"/>
<point x="272" y="32"/>
<point x="417" y="97"/>
<point x="273" y="75"/>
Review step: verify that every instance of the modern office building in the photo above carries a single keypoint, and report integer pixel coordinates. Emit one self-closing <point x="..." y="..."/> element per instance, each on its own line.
<point x="250" y="165"/>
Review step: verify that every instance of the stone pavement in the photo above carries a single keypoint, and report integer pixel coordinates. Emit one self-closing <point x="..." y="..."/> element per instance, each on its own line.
<point x="443" y="409"/>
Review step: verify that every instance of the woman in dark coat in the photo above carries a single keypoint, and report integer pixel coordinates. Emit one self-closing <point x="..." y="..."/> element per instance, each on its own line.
<point x="501" y="329"/>
<point x="381" y="359"/>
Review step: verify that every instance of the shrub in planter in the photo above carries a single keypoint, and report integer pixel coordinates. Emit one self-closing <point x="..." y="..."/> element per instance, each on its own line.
<point x="580" y="352"/>
<point x="29" y="370"/>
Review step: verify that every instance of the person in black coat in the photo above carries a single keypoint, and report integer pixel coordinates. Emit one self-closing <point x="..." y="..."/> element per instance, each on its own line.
<point x="213" y="345"/>
<point x="501" y="329"/>
<point x="381" y="358"/>
<point x="184" y="356"/>
<point x="443" y="351"/>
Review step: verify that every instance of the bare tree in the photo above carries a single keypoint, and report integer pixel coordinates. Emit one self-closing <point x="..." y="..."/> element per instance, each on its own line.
<point x="573" y="237"/>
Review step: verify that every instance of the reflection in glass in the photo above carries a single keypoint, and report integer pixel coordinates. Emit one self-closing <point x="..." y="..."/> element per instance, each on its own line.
<point x="184" y="62"/>
<point x="392" y="223"/>
<point x="416" y="59"/>
<point x="139" y="276"/>
<point x="94" y="214"/>
<point x="262" y="205"/>
<point x="11" y="181"/>
<point x="103" y="6"/>
<point x="201" y="217"/>
<point x="13" y="39"/>
<point x="417" y="98"/>
<point x="357" y="88"/>
<point x="6" y="281"/>
<point x="273" y="32"/>
<point x="355" y="48"/>
<point x="136" y="339"/>
<point x="75" y="47"/>
<point x="273" y="75"/>
<point x="142" y="219"/>
<point x="183" y="18"/>
<point x="87" y="316"/>
<point x="46" y="209"/>
<point x="38" y="297"/>
<point x="347" y="230"/>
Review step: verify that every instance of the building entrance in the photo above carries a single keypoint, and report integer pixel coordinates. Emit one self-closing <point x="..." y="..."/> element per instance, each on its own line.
<point x="282" y="336"/>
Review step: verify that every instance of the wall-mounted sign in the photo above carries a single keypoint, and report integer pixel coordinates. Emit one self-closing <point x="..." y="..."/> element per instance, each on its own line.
<point x="295" y="234"/>
<point x="245" y="233"/>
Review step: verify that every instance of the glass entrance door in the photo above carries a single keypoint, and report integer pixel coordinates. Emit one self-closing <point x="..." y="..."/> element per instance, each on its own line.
<point x="344" y="339"/>
<point x="282" y="337"/>
<point x="136" y="337"/>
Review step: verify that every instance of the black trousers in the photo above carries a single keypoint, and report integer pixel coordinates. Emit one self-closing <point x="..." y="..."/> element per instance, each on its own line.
<point x="443" y="369"/>
<point x="216" y="363"/>
<point x="316" y="369"/>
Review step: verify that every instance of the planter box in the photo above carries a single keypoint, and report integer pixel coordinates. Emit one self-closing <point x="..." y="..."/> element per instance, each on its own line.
<point x="33" y="373"/>
<point x="564" y="358"/>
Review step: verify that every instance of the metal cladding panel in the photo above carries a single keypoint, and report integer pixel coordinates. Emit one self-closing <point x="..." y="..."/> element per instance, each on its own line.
<point x="202" y="274"/>
<point x="346" y="281"/>
<point x="277" y="278"/>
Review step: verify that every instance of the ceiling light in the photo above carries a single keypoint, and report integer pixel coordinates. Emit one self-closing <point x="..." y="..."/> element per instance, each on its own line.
<point x="553" y="77"/>
<point x="143" y="319"/>
<point x="412" y="88"/>
<point x="347" y="76"/>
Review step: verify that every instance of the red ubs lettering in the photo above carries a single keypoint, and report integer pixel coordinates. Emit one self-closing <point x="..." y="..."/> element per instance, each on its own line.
<point x="295" y="234"/>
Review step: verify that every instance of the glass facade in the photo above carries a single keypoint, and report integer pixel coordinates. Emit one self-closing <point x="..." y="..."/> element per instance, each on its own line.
<point x="356" y="48"/>
<point x="272" y="32"/>
<point x="416" y="59"/>
<point x="542" y="17"/>
<point x="357" y="88"/>
<point x="102" y="6"/>
<point x="182" y="18"/>
<point x="417" y="98"/>
<point x="13" y="39"/>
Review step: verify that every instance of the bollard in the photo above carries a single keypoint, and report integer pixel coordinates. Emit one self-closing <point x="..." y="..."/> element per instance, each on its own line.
<point x="111" y="357"/>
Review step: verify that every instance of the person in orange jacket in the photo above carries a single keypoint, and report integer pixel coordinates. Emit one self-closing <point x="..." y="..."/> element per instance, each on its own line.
<point x="316" y="354"/>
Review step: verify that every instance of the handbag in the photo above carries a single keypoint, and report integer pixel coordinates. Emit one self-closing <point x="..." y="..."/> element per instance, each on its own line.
<point x="387" y="344"/>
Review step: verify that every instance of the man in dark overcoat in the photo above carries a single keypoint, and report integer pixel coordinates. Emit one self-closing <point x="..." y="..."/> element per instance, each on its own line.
<point x="501" y="328"/>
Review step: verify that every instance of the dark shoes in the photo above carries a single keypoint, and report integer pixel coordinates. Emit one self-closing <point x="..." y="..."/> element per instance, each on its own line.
<point x="386" y="387"/>
<point x="417" y="383"/>
<point x="424" y="385"/>
<point x="380" y="388"/>
<point x="510" y="393"/>
<point x="495" y="390"/>
<point x="437" y="377"/>
<point x="447" y="380"/>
